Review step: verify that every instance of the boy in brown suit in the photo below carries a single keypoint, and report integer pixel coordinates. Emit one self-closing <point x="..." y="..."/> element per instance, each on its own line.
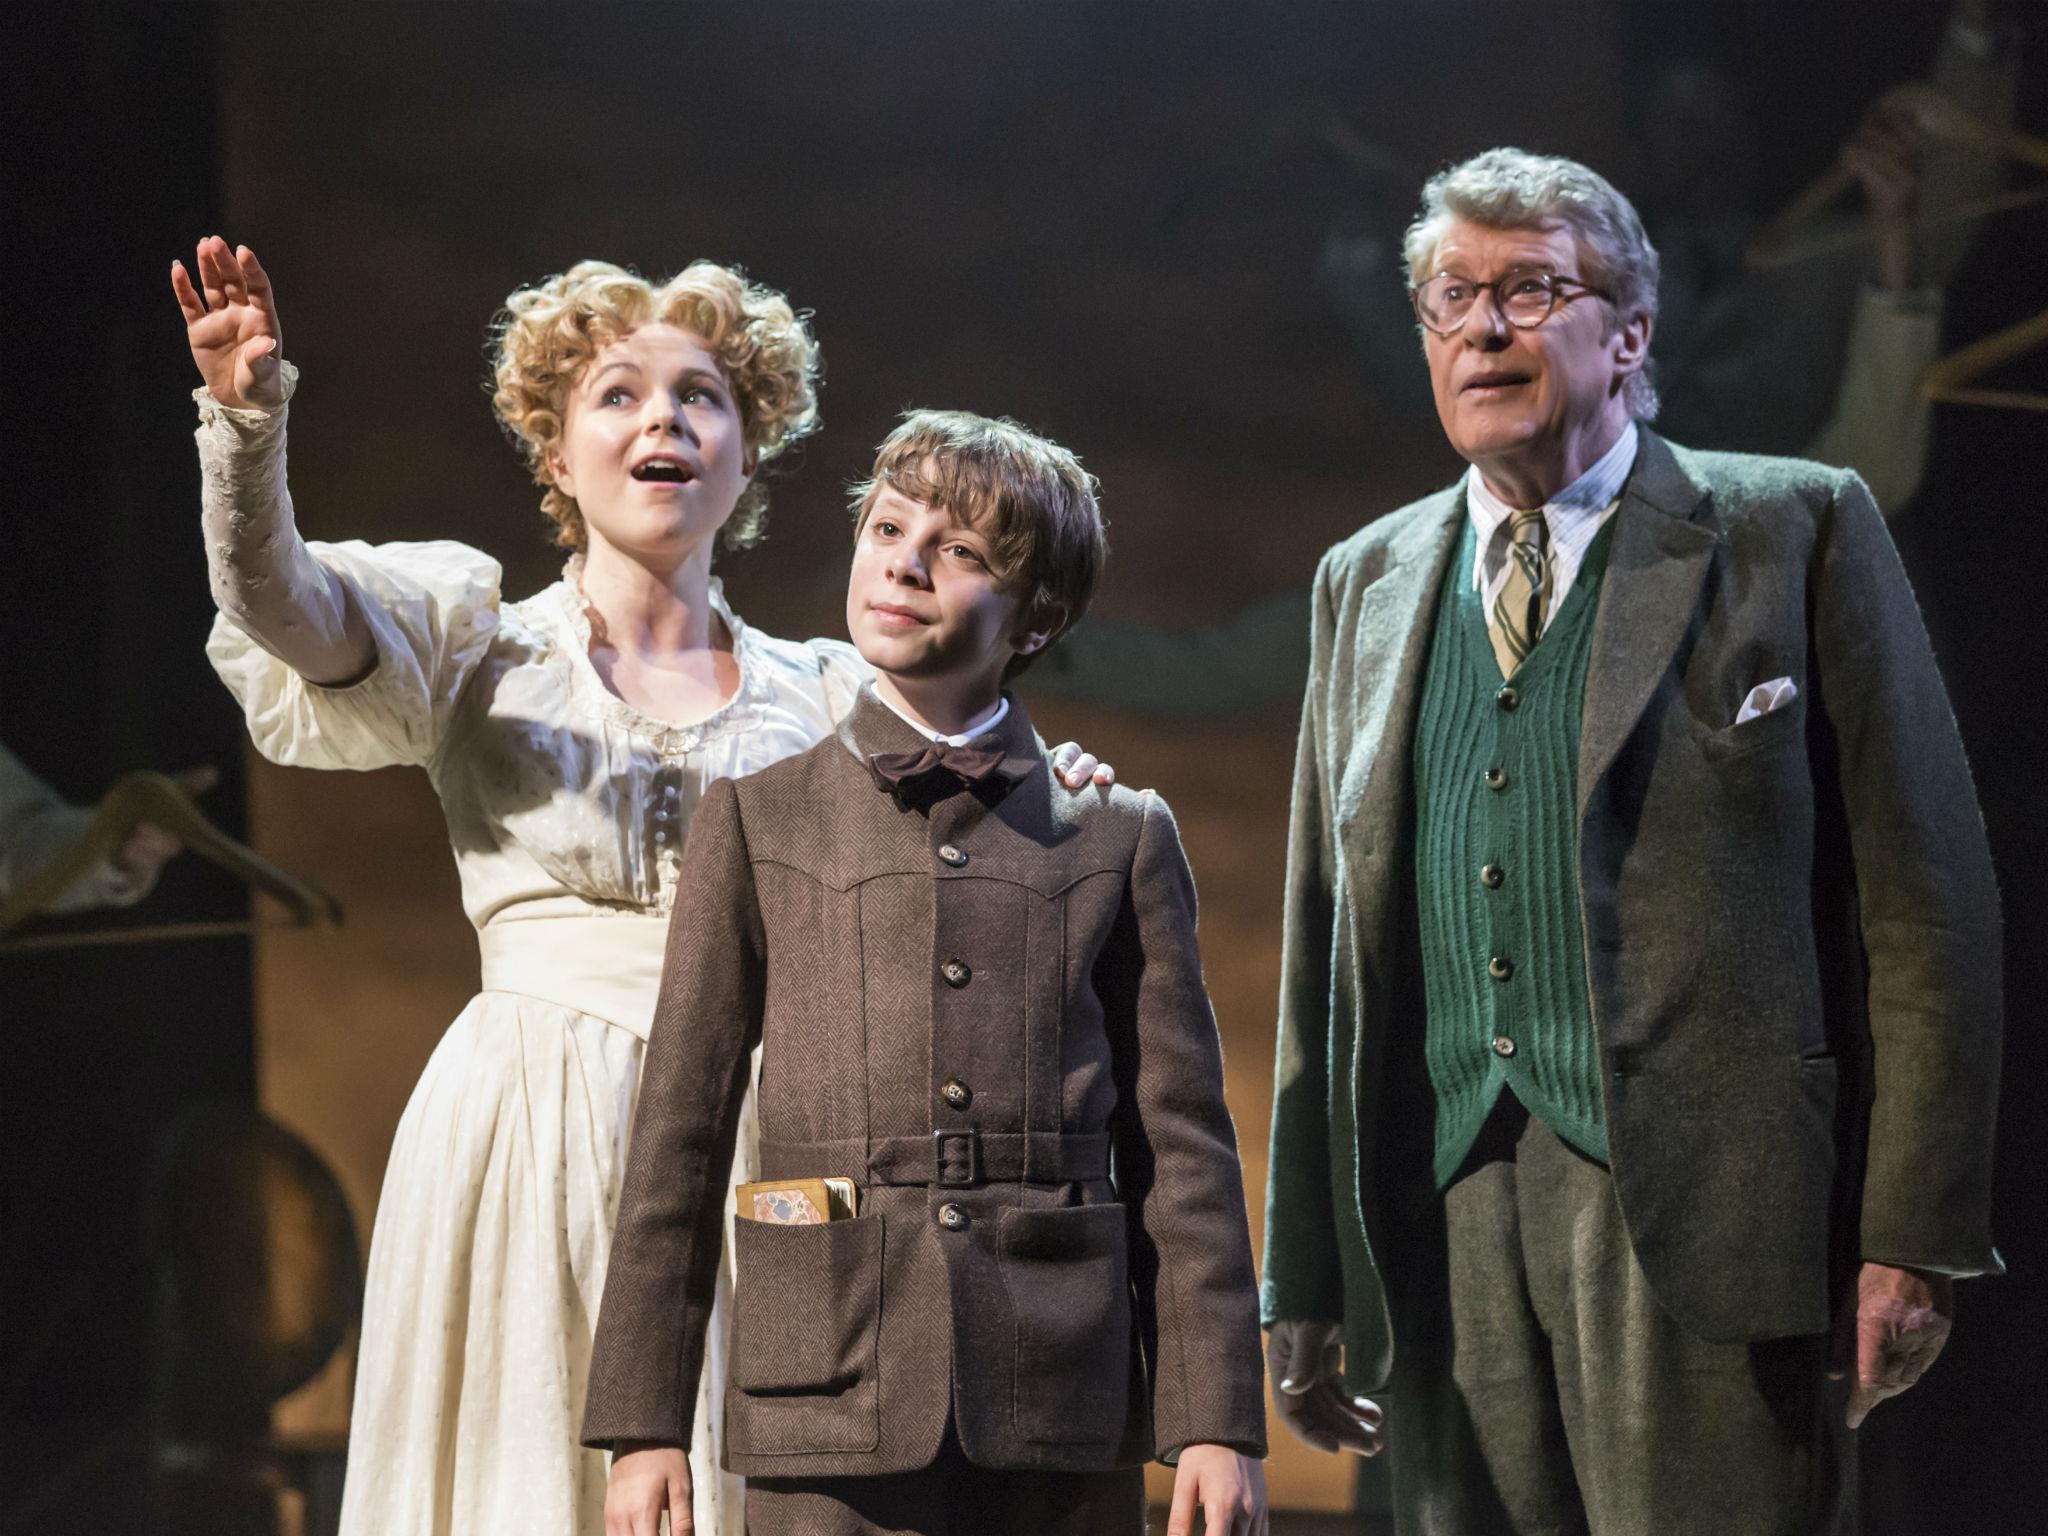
<point x="983" y="1004"/>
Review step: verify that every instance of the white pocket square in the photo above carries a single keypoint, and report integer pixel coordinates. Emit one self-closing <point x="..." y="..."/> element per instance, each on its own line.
<point x="1765" y="697"/>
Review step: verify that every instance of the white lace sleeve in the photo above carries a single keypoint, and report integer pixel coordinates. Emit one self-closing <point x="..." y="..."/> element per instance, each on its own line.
<point x="432" y="610"/>
<point x="264" y="578"/>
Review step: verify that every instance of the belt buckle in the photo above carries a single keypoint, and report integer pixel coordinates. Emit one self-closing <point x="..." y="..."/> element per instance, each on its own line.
<point x="950" y="1149"/>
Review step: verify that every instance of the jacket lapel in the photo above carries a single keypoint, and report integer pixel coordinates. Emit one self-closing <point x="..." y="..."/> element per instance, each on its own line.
<point x="1390" y="650"/>
<point x="1659" y="557"/>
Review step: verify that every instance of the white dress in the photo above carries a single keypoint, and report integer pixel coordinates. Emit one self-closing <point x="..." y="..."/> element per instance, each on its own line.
<point x="566" y="808"/>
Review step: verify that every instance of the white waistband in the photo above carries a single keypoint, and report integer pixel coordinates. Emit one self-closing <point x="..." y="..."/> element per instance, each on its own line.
<point x="607" y="967"/>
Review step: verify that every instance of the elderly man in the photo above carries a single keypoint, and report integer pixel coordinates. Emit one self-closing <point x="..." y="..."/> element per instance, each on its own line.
<point x="1640" y="1018"/>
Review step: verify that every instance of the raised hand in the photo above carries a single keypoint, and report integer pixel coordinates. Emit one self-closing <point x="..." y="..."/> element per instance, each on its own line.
<point x="233" y="332"/>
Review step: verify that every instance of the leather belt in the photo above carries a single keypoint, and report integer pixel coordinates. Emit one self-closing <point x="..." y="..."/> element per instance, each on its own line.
<point x="949" y="1159"/>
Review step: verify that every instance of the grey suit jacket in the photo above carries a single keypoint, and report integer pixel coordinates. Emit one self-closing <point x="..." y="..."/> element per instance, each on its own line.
<point x="986" y="1007"/>
<point x="1791" y="926"/>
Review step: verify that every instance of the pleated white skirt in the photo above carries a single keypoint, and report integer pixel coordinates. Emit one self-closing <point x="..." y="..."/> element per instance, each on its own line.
<point x="486" y="1268"/>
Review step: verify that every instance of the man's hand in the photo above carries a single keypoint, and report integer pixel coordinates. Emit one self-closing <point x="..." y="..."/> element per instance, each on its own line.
<point x="234" y="333"/>
<point x="1306" y="1364"/>
<point x="1077" y="767"/>
<point x="1902" y="1320"/>
<point x="1229" y="1489"/>
<point x="647" y="1479"/>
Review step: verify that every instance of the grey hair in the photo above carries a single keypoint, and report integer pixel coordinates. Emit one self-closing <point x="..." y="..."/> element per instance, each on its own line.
<point x="1513" y="189"/>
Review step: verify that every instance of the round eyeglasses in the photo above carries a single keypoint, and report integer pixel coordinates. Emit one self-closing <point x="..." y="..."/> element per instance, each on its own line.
<point x="1525" y="297"/>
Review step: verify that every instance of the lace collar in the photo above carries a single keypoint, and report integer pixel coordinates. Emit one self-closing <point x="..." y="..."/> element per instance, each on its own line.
<point x="668" y="738"/>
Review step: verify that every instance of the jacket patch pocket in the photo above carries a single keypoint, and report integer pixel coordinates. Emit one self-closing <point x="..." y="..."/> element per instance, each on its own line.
<point x="1067" y="1274"/>
<point x="806" y="1306"/>
<point x="1781" y="725"/>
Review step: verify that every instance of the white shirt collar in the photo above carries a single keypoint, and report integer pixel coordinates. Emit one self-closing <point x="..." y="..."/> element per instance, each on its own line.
<point x="981" y="727"/>
<point x="1577" y="509"/>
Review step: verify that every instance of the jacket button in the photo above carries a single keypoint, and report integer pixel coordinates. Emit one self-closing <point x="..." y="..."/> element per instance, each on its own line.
<point x="948" y="854"/>
<point x="956" y="973"/>
<point x="1491" y="876"/>
<point x="1508" y="699"/>
<point x="954" y="1218"/>
<point x="956" y="1093"/>
<point x="1496" y="779"/>
<point x="1503" y="1046"/>
<point x="1500" y="967"/>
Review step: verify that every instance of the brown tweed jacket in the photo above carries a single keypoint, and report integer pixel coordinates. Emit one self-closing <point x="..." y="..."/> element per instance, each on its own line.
<point x="986" y="1007"/>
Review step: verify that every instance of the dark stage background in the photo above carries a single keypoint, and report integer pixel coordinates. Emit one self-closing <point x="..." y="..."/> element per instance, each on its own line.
<point x="1105" y="219"/>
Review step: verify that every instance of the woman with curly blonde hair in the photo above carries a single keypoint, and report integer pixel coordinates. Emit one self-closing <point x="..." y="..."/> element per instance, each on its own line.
<point x="569" y="736"/>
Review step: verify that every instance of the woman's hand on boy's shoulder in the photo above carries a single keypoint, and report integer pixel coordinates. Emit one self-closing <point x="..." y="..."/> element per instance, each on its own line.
<point x="1229" y="1489"/>
<point x="1078" y="767"/>
<point x="647" y="1479"/>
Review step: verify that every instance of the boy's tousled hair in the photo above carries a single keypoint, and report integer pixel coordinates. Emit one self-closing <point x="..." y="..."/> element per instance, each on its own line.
<point x="1028" y="495"/>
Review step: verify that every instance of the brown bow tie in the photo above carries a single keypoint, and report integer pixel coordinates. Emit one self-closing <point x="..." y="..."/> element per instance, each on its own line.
<point x="894" y="771"/>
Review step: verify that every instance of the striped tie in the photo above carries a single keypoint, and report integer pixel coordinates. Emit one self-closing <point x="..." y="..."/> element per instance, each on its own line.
<point x="1523" y="602"/>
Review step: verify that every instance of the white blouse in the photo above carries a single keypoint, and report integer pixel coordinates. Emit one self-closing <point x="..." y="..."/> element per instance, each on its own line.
<point x="561" y="798"/>
<point x="566" y="809"/>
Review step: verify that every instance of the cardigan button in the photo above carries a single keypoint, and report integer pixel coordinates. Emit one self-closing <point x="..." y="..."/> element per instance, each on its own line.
<point x="1491" y="876"/>
<point x="1508" y="699"/>
<point x="1496" y="778"/>
<point x="1500" y="967"/>
<point x="1503" y="1046"/>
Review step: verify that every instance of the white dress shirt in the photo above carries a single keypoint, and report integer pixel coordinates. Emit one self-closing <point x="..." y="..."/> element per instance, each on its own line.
<point x="981" y="727"/>
<point x="1574" y="516"/>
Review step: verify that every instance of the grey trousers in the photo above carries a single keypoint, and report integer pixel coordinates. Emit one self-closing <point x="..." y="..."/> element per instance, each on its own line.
<point x="1539" y="1389"/>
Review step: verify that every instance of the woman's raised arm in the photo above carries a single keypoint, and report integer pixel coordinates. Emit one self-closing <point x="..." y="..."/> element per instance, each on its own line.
<point x="264" y="578"/>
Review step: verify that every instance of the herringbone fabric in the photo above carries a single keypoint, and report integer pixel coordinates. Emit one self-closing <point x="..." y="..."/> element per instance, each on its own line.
<point x="1004" y="960"/>
<point x="951" y="1497"/>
